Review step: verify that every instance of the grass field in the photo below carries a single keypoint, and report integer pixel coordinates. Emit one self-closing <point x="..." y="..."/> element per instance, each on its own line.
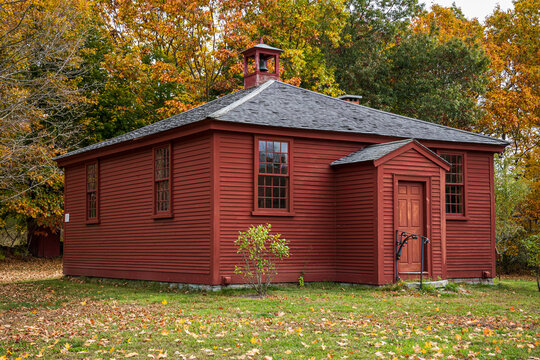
<point x="77" y="318"/>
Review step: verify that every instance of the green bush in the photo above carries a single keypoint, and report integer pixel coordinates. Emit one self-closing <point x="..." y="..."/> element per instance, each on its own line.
<point x="261" y="253"/>
<point x="532" y="244"/>
<point x="451" y="286"/>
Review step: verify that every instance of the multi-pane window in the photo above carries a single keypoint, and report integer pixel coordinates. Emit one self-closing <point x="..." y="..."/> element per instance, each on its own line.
<point x="162" y="179"/>
<point x="454" y="184"/>
<point x="273" y="180"/>
<point x="91" y="191"/>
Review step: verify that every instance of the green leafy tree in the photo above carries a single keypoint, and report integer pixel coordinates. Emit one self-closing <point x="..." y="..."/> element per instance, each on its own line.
<point x="261" y="253"/>
<point x="510" y="191"/>
<point x="373" y="27"/>
<point x="125" y="94"/>
<point x="435" y="81"/>
<point x="406" y="61"/>
<point x="532" y="245"/>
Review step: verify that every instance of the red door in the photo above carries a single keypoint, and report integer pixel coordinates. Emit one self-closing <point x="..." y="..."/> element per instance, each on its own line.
<point x="411" y="219"/>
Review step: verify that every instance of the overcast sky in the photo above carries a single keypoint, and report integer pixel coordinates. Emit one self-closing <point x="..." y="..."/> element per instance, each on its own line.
<point x="479" y="9"/>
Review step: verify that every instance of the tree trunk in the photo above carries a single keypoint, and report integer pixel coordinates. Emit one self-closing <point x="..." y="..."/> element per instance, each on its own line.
<point x="538" y="277"/>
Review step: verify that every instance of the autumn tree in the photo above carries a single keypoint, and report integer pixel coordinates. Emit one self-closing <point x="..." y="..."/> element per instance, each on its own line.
<point x="531" y="206"/>
<point x="39" y="100"/>
<point x="306" y="31"/>
<point x="153" y="59"/>
<point x="449" y="23"/>
<point x="194" y="46"/>
<point x="512" y="102"/>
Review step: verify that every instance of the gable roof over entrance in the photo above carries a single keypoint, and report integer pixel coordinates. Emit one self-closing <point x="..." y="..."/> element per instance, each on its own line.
<point x="282" y="105"/>
<point x="380" y="153"/>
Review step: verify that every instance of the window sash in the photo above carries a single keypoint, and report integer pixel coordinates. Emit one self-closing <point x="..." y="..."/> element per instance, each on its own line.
<point x="455" y="184"/>
<point x="162" y="166"/>
<point x="92" y="185"/>
<point x="273" y="175"/>
<point x="162" y="183"/>
<point x="162" y="195"/>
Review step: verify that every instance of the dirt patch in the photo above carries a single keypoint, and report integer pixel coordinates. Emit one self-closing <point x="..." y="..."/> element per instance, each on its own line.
<point x="518" y="277"/>
<point x="16" y="270"/>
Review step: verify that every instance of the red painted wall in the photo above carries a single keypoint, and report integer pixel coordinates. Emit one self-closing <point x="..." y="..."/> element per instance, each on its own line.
<point x="471" y="242"/>
<point x="311" y="231"/>
<point x="332" y="233"/>
<point x="128" y="243"/>
<point x="356" y="231"/>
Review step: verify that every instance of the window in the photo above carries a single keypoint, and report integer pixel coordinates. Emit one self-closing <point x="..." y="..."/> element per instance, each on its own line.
<point x="273" y="176"/>
<point x="455" y="184"/>
<point x="162" y="181"/>
<point x="92" y="185"/>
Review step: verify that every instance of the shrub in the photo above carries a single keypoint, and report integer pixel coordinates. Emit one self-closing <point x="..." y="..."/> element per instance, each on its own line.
<point x="261" y="252"/>
<point x="451" y="286"/>
<point x="301" y="281"/>
<point x="532" y="244"/>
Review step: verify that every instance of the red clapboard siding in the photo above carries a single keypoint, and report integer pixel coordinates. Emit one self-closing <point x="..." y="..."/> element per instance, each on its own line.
<point x="411" y="163"/>
<point x="470" y="242"/>
<point x="342" y="228"/>
<point x="311" y="231"/>
<point x="128" y="242"/>
<point x="356" y="231"/>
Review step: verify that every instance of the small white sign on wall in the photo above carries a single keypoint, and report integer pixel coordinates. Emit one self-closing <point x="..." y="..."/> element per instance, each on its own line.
<point x="66" y="218"/>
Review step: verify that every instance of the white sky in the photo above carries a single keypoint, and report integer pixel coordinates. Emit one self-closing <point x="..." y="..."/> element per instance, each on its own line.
<point x="479" y="9"/>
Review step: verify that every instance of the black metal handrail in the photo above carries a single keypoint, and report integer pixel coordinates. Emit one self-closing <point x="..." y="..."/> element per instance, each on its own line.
<point x="402" y="238"/>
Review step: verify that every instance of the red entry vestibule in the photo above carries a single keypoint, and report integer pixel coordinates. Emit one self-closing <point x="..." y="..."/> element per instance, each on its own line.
<point x="407" y="179"/>
<point x="411" y="217"/>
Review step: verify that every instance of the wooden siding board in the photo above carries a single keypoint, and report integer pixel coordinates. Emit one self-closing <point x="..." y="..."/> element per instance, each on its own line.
<point x="311" y="231"/>
<point x="470" y="242"/>
<point x="128" y="243"/>
<point x="356" y="237"/>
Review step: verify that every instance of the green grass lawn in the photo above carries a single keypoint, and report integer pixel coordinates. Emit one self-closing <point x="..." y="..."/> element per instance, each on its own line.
<point x="81" y="318"/>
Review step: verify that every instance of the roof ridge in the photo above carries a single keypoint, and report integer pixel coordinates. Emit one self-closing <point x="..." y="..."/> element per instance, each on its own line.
<point x="242" y="100"/>
<point x="390" y="142"/>
<point x="398" y="115"/>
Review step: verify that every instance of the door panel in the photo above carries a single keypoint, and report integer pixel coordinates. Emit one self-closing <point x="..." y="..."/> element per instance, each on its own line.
<point x="411" y="219"/>
<point x="403" y="218"/>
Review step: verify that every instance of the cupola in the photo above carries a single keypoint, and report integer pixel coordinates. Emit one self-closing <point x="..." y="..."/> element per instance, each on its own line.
<point x="261" y="63"/>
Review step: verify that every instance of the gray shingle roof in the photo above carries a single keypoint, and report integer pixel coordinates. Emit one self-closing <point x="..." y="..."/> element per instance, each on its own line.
<point x="187" y="117"/>
<point x="371" y="152"/>
<point x="278" y="104"/>
<point x="377" y="151"/>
